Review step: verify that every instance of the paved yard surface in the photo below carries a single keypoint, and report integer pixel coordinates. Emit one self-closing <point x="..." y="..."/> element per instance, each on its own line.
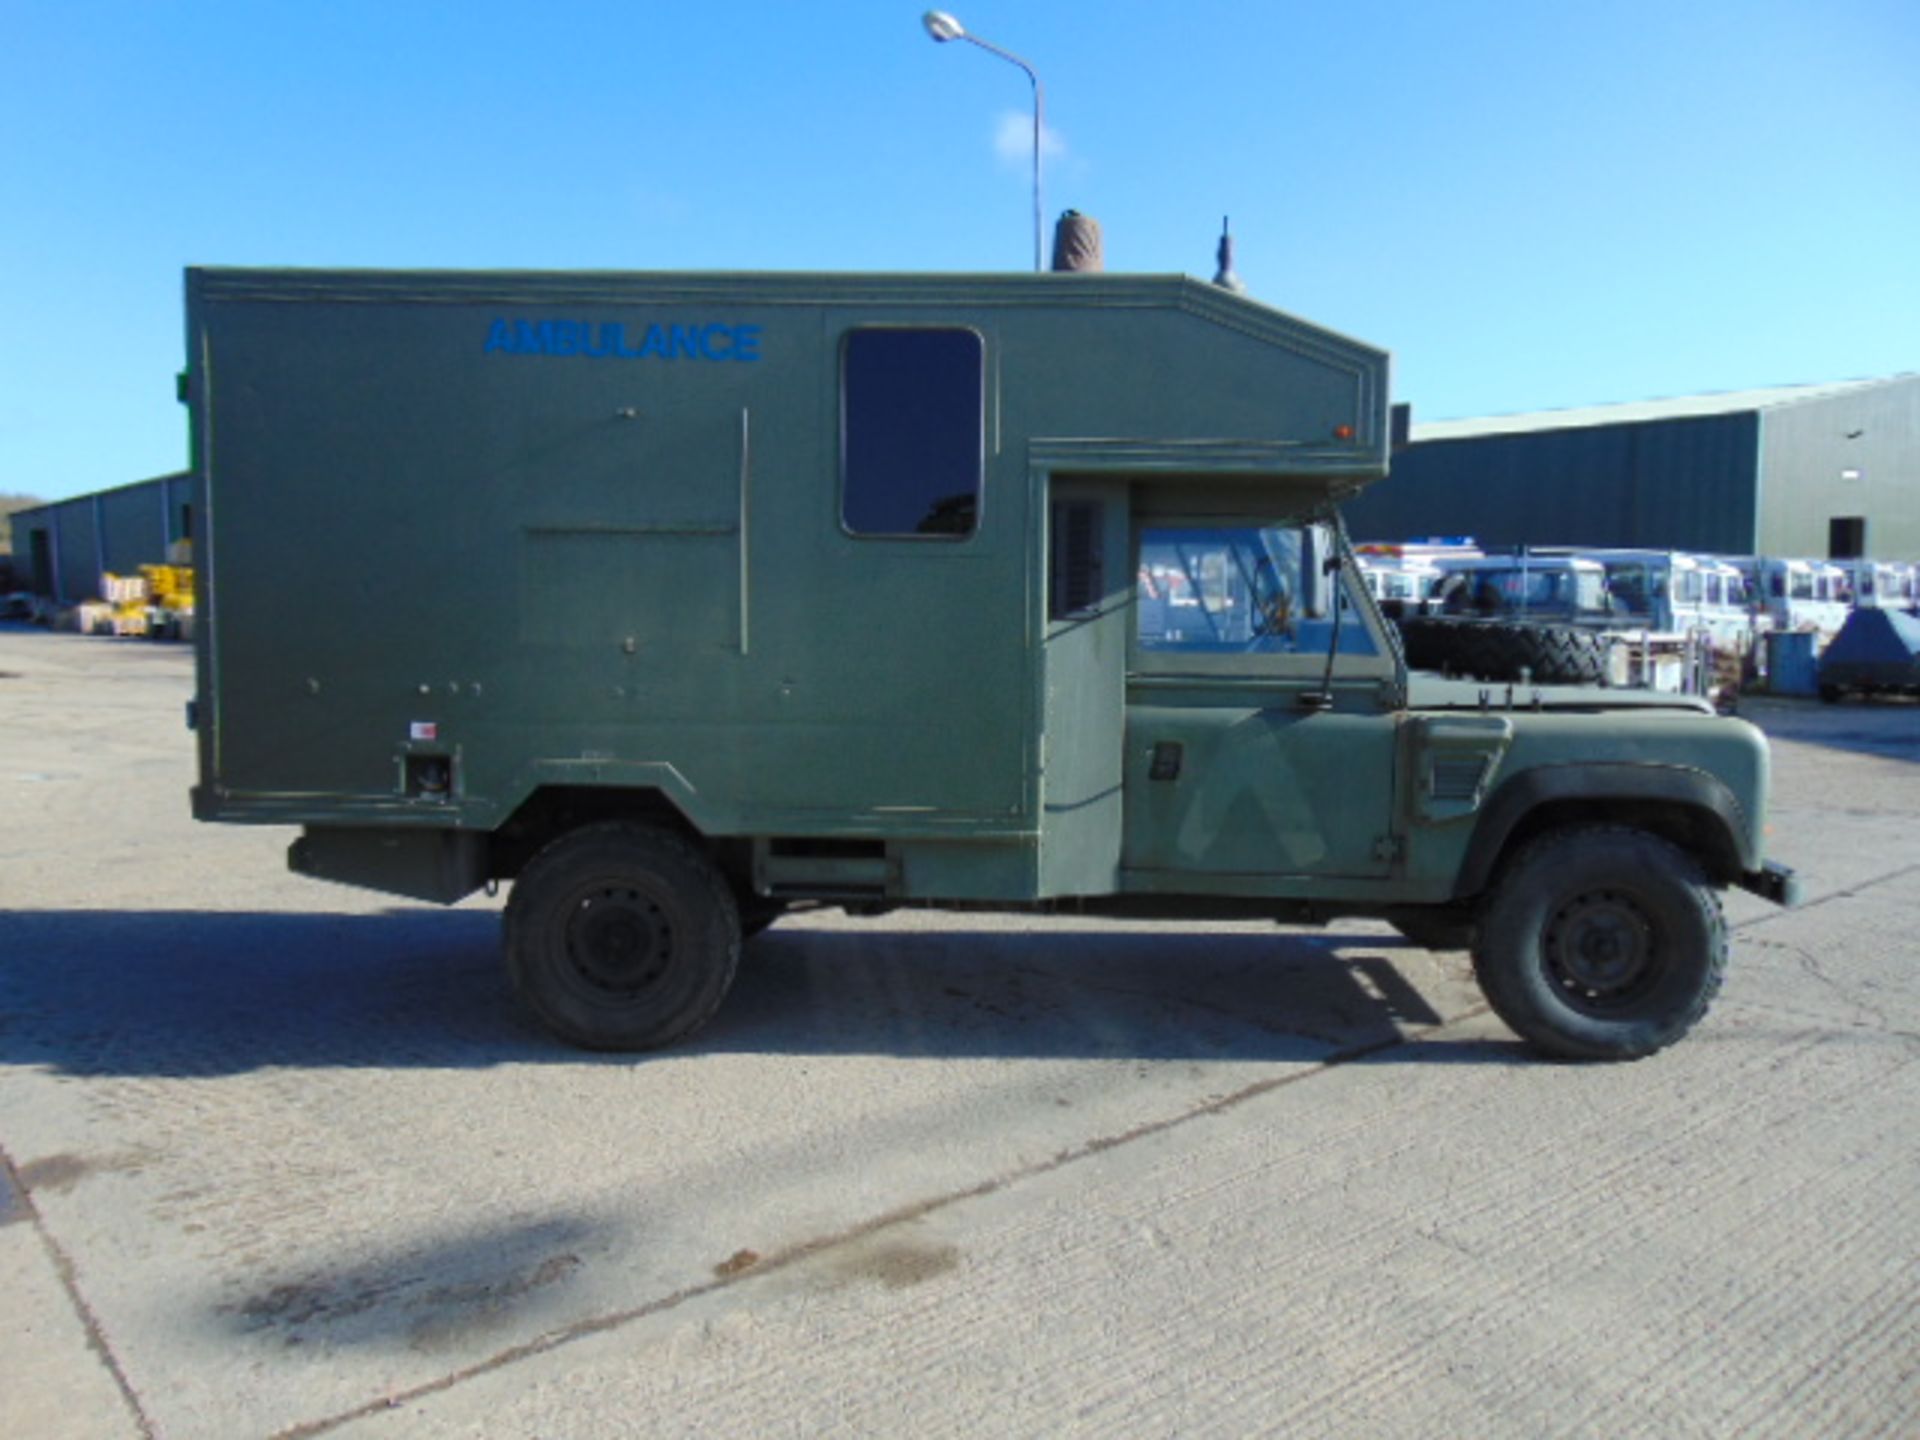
<point x="280" y="1158"/>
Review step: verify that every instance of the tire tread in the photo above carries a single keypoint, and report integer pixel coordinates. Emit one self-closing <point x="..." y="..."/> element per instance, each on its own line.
<point x="550" y="867"/>
<point x="1505" y="989"/>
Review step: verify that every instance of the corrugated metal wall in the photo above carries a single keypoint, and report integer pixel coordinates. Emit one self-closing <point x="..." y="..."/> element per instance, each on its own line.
<point x="1669" y="484"/>
<point x="118" y="530"/>
<point x="1856" y="454"/>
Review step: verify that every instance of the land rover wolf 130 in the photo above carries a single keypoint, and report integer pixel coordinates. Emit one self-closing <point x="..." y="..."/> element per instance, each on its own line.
<point x="679" y="601"/>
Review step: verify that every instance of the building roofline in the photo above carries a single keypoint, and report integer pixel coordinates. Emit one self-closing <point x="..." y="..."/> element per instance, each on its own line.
<point x="167" y="479"/>
<point x="1681" y="407"/>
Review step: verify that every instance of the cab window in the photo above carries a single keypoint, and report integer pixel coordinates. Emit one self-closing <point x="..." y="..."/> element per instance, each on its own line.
<point x="1242" y="590"/>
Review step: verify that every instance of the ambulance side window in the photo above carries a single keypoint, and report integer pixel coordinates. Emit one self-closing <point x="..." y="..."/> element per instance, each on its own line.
<point x="912" y="432"/>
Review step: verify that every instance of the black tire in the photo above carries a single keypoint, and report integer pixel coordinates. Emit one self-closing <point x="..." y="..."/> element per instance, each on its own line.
<point x="1499" y="650"/>
<point x="1601" y="943"/>
<point x="1831" y="694"/>
<point x="1423" y="639"/>
<point x="621" y="937"/>
<point x="1565" y="654"/>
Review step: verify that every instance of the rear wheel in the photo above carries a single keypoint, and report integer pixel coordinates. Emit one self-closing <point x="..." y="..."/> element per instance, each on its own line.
<point x="1601" y="944"/>
<point x="621" y="937"/>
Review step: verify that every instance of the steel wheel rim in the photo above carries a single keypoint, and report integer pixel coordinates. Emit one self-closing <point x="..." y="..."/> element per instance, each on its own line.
<point x="1603" y="952"/>
<point x="619" y="940"/>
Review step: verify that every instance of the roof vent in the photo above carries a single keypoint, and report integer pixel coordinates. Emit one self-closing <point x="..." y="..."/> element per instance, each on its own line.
<point x="1076" y="243"/>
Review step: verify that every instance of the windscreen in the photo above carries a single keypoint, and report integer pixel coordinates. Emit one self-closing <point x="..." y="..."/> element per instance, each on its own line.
<point x="1242" y="589"/>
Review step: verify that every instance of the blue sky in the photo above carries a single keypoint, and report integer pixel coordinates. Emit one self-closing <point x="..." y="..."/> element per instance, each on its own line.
<point x="1531" y="205"/>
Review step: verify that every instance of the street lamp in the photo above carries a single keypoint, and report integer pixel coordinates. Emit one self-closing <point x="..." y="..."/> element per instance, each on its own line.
<point x="943" y="27"/>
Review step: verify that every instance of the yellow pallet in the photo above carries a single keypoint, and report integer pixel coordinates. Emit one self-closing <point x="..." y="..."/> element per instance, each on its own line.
<point x="169" y="582"/>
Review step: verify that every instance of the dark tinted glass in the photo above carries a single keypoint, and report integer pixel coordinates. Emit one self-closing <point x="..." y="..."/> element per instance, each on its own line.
<point x="911" y="417"/>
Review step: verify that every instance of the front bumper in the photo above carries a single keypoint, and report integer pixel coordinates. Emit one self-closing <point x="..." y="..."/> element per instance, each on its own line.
<point x="1773" y="882"/>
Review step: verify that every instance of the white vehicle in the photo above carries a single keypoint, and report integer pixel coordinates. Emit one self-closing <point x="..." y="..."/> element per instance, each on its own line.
<point x="1553" y="612"/>
<point x="1557" y="589"/>
<point x="1797" y="594"/>
<point x="1405" y="574"/>
<point x="1673" y="592"/>
<point x="1883" y="584"/>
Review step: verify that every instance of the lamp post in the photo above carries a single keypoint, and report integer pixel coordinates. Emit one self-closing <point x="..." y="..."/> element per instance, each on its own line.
<point x="943" y="27"/>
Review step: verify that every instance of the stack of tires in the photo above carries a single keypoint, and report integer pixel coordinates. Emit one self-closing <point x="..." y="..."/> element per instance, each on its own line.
<point x="1504" y="650"/>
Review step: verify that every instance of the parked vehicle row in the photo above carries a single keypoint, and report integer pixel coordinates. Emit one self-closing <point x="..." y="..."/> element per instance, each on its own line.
<point x="1734" y="599"/>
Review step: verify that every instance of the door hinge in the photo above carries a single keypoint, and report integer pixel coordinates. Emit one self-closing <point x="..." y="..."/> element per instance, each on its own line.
<point x="1389" y="847"/>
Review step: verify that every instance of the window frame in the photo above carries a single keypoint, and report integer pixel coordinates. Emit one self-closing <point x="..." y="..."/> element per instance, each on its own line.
<point x="981" y="431"/>
<point x="1164" y="667"/>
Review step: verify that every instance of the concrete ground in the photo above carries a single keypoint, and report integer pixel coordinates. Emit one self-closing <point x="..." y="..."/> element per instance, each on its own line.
<point x="281" y="1159"/>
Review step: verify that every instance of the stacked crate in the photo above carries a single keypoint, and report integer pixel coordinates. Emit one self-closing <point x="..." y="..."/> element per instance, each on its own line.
<point x="127" y="597"/>
<point x="171" y="586"/>
<point x="171" y="589"/>
<point x="157" y="601"/>
<point x="123" y="589"/>
<point x="93" y="617"/>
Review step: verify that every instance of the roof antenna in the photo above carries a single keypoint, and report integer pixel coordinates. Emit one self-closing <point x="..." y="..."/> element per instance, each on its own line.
<point x="1226" y="279"/>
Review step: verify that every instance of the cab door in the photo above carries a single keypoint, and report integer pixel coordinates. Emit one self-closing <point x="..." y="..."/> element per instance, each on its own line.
<point x="1246" y="763"/>
<point x="1088" y="610"/>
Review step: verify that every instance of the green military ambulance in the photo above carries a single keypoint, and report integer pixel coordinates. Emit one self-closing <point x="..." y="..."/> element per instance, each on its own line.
<point x="681" y="600"/>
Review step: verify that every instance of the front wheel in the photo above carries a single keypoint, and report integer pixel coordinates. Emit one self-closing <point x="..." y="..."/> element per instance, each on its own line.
<point x="621" y="937"/>
<point x="1601" y="943"/>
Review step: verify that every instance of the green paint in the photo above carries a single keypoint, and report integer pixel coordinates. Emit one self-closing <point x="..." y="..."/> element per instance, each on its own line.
<point x="445" y="585"/>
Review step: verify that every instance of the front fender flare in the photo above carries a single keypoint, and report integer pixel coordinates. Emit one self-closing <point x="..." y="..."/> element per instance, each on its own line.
<point x="1601" y="782"/>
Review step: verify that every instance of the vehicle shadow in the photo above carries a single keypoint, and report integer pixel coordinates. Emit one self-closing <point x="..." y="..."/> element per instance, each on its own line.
<point x="204" y="993"/>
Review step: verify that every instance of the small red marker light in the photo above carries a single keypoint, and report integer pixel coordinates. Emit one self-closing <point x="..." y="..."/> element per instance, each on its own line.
<point x="1343" y="432"/>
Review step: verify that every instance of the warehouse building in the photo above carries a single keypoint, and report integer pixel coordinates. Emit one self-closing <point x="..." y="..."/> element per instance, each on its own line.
<point x="1813" y="470"/>
<point x="62" y="549"/>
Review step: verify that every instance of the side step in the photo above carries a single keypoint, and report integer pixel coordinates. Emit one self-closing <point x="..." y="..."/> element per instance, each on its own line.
<point x="839" y="870"/>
